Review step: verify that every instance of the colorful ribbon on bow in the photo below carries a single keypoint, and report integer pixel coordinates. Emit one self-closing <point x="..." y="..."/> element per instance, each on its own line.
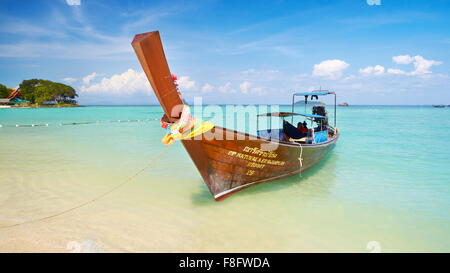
<point x="186" y="127"/>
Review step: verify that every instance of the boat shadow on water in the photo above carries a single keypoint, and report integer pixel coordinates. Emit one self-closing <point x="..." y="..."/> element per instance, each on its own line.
<point x="323" y="170"/>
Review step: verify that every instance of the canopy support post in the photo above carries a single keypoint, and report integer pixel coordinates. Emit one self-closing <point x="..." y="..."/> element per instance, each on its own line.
<point x="257" y="123"/>
<point x="293" y="100"/>
<point x="335" y="111"/>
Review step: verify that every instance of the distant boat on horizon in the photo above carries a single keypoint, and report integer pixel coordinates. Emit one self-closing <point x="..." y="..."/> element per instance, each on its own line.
<point x="343" y="104"/>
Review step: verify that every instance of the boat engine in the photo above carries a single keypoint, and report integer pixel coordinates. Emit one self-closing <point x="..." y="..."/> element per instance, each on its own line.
<point x="321" y="111"/>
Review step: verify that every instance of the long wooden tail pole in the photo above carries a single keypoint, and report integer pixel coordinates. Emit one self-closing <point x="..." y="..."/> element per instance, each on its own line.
<point x="150" y="52"/>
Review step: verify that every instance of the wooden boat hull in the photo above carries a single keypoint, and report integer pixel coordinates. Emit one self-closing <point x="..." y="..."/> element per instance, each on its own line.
<point x="229" y="164"/>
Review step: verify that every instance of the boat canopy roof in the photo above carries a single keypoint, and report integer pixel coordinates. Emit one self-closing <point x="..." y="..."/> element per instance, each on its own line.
<point x="288" y="114"/>
<point x="320" y="93"/>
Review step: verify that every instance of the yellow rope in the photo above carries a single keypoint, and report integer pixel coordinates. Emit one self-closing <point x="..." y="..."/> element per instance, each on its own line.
<point x="129" y="179"/>
<point x="301" y="159"/>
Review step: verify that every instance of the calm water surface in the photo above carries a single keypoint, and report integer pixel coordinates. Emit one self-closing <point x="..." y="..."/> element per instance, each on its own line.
<point x="387" y="180"/>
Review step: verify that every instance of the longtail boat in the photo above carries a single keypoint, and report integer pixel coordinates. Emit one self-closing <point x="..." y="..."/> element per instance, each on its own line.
<point x="229" y="160"/>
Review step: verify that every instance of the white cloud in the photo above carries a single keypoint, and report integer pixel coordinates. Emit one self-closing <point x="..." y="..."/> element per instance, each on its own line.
<point x="422" y="66"/>
<point x="300" y="77"/>
<point x="402" y="59"/>
<point x="69" y="80"/>
<point x="245" y="87"/>
<point x="128" y="82"/>
<point x="86" y="50"/>
<point x="226" y="88"/>
<point x="206" y="88"/>
<point x="24" y="29"/>
<point x="257" y="90"/>
<point x="73" y="2"/>
<point x="89" y="78"/>
<point x="372" y="70"/>
<point x="260" y="75"/>
<point x="396" y="71"/>
<point x="350" y="78"/>
<point x="184" y="82"/>
<point x="330" y="69"/>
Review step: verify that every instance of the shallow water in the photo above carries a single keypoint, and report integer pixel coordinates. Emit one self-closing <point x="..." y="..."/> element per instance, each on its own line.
<point x="386" y="181"/>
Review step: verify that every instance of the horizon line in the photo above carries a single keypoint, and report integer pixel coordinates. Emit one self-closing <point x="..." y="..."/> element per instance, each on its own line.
<point x="265" y="104"/>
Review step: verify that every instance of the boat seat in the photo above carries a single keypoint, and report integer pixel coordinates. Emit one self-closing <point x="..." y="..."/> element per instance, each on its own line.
<point x="291" y="131"/>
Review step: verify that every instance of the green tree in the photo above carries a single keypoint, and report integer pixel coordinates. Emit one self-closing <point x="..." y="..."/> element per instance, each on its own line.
<point x="42" y="94"/>
<point x="4" y="91"/>
<point x="27" y="88"/>
<point x="39" y="91"/>
<point x="63" y="92"/>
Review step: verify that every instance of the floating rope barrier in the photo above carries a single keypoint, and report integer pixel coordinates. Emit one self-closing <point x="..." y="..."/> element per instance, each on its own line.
<point x="75" y="123"/>
<point x="126" y="181"/>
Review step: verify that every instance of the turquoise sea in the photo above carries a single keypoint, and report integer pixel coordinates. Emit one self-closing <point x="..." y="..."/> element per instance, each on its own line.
<point x="385" y="187"/>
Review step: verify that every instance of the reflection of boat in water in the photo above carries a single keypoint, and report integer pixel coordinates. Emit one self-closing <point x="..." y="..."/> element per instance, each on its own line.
<point x="439" y="106"/>
<point x="343" y="104"/>
<point x="228" y="160"/>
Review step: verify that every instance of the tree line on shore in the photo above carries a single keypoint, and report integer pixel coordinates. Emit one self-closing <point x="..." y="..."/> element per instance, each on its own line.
<point x="4" y="91"/>
<point x="38" y="91"/>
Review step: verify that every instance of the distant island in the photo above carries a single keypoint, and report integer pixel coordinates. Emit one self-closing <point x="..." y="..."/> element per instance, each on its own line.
<point x="38" y="93"/>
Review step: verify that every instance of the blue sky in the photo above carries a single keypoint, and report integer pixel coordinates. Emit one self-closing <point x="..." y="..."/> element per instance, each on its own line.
<point x="238" y="52"/>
